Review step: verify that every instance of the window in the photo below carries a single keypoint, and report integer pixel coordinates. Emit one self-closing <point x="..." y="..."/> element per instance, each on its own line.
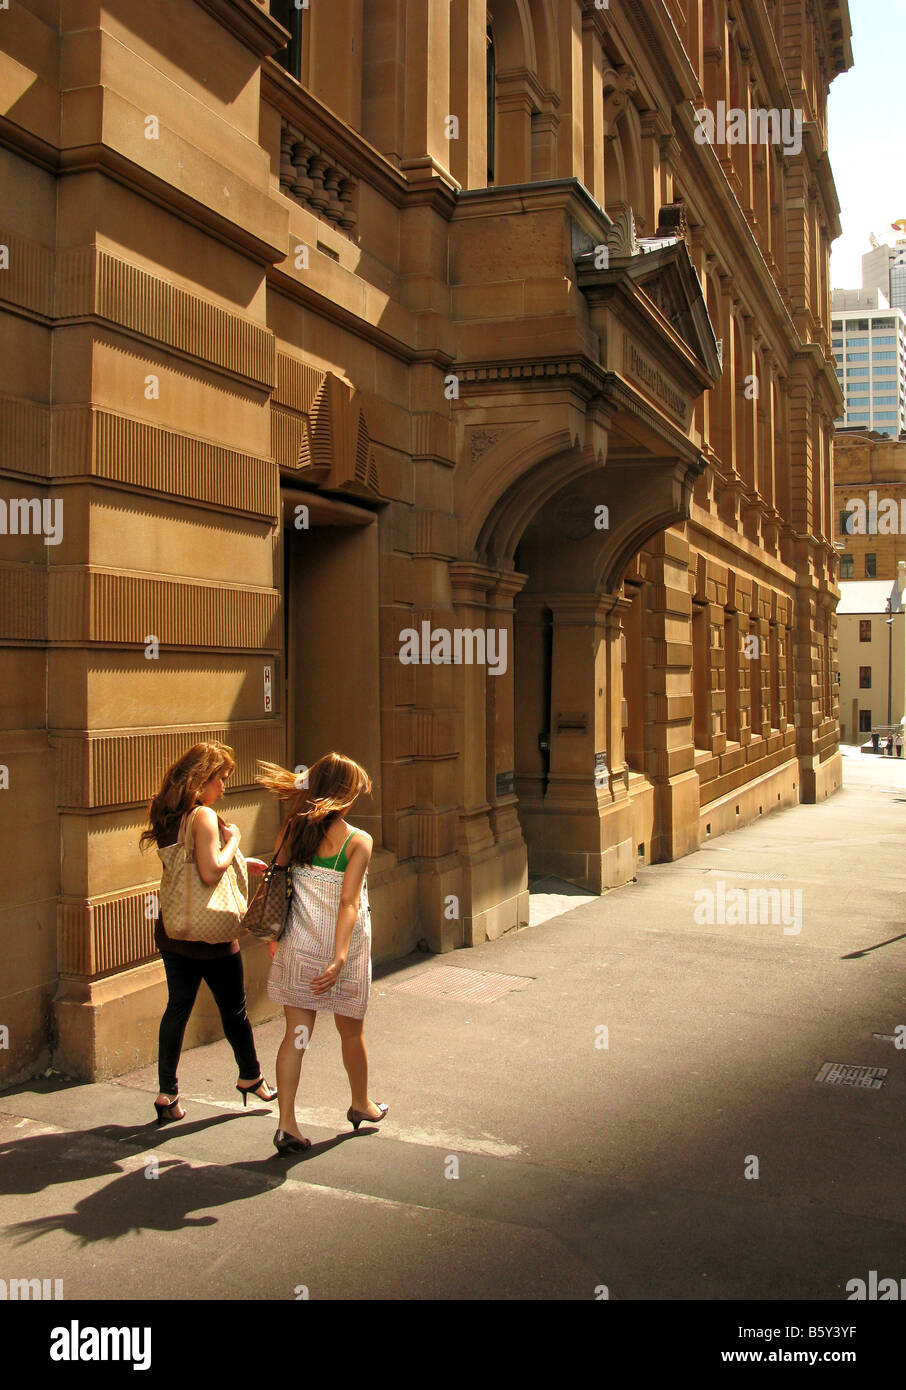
<point x="865" y="678"/>
<point x="857" y="342"/>
<point x="837" y="325"/>
<point x="883" y="323"/>
<point x="844" y="520"/>
<point x="885" y="371"/>
<point x="885" y="400"/>
<point x="857" y="415"/>
<point x="859" y="356"/>
<point x="886" y="415"/>
<point x="837" y="342"/>
<point x="871" y="566"/>
<point x="491" y="99"/>
<point x="847" y="563"/>
<point x="864" y="721"/>
<point x="860" y="325"/>
<point x="879" y="342"/>
<point x="857" y="371"/>
<point x="865" y="629"/>
<point x="883" y="357"/>
<point x="286" y="13"/>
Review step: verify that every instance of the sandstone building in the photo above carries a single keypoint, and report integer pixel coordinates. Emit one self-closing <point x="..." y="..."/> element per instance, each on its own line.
<point x="402" y="313"/>
<point x="870" y="469"/>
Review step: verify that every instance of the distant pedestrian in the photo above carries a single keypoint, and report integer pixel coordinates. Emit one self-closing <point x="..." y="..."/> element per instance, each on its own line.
<point x="323" y="959"/>
<point x="890" y="745"/>
<point x="898" y="743"/>
<point x="182" y="815"/>
<point x="876" y="742"/>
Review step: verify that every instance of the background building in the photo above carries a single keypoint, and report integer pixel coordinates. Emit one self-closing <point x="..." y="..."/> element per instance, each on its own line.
<point x="871" y="635"/>
<point x="435" y="315"/>
<point x="869" y="468"/>
<point x="884" y="269"/>
<point x="869" y="342"/>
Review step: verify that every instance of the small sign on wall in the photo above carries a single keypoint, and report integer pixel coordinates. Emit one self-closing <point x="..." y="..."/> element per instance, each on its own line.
<point x="268" y="695"/>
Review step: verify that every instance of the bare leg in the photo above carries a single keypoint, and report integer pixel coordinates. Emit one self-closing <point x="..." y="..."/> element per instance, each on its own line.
<point x="300" y="1025"/>
<point x="355" y="1060"/>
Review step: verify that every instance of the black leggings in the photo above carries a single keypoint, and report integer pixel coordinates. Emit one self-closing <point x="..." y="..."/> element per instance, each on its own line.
<point x="223" y="977"/>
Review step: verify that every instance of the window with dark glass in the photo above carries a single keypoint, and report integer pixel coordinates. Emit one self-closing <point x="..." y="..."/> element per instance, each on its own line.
<point x="865" y="629"/>
<point x="491" y="101"/>
<point x="871" y="566"/>
<point x="847" y="564"/>
<point x="864" y="721"/>
<point x="290" y="57"/>
<point x="844" y="528"/>
<point x="865" y="678"/>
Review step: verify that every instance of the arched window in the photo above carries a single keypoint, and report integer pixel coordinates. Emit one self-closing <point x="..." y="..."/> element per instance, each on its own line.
<point x="491" y="100"/>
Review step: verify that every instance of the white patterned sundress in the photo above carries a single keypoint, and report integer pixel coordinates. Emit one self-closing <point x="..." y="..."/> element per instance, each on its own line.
<point x="306" y="947"/>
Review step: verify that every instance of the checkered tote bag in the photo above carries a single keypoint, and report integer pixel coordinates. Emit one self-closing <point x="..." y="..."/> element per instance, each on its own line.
<point x="191" y="909"/>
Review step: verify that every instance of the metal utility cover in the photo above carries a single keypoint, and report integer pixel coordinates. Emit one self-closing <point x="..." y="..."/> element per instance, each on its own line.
<point x="467" y="986"/>
<point x="841" y="1074"/>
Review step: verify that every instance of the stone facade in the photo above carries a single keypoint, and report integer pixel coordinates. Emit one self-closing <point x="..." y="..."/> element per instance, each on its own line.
<point x="870" y="469"/>
<point x="312" y="363"/>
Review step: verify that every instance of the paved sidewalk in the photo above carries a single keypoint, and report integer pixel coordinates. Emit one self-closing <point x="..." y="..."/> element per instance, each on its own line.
<point x="578" y="1165"/>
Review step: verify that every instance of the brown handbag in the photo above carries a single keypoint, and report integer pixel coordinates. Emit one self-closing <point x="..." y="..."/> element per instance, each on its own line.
<point x="268" y="912"/>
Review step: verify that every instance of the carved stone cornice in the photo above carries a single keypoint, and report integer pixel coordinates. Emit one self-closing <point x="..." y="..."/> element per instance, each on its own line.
<point x="246" y="20"/>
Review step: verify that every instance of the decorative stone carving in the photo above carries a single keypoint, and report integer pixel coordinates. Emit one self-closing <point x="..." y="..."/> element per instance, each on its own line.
<point x="315" y="179"/>
<point x="336" y="446"/>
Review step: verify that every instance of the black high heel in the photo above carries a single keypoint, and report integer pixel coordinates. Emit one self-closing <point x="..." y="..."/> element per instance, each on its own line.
<point x="355" y="1117"/>
<point x="165" y="1114"/>
<point x="246" y="1091"/>
<point x="288" y="1143"/>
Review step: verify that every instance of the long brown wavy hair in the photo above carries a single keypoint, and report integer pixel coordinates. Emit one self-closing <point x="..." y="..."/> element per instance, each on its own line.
<point x="181" y="789"/>
<point x="335" y="783"/>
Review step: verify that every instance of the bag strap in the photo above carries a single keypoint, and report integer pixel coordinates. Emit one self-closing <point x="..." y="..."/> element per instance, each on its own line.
<point x="184" y="837"/>
<point x="343" y="845"/>
<point x="280" y="846"/>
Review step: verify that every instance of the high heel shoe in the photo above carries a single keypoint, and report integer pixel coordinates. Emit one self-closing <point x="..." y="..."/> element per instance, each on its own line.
<point x="165" y="1114"/>
<point x="246" y="1091"/>
<point x="288" y="1143"/>
<point x="355" y="1117"/>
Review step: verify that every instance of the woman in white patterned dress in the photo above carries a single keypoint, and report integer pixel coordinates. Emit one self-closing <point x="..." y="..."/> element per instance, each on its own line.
<point x="323" y="959"/>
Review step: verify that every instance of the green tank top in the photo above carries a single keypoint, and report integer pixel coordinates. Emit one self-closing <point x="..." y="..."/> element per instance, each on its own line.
<point x="335" y="861"/>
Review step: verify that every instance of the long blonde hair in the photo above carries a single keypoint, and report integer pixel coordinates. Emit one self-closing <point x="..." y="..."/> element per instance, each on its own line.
<point x="334" y="784"/>
<point x="180" y="790"/>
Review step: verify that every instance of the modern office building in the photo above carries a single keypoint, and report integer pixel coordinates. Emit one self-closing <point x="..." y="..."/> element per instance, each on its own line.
<point x="408" y="377"/>
<point x="884" y="269"/>
<point x="869" y="345"/>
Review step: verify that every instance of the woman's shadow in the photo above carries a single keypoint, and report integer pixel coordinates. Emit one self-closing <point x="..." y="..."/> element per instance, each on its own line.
<point x="152" y="1193"/>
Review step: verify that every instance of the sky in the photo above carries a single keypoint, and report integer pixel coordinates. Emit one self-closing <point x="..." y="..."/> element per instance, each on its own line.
<point x="867" y="135"/>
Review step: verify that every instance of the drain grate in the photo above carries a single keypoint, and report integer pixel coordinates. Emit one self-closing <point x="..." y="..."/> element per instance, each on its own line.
<point x="841" y="1074"/>
<point x="469" y="986"/>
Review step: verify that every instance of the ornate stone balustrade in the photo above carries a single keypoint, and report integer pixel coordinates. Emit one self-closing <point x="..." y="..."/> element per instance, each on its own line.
<point x="315" y="179"/>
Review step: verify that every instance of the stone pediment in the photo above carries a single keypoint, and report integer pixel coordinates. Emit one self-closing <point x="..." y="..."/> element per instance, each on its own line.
<point x="336" y="452"/>
<point x="661" y="268"/>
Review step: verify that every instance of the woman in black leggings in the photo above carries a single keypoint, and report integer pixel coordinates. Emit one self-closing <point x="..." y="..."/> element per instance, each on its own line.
<point x="198" y="779"/>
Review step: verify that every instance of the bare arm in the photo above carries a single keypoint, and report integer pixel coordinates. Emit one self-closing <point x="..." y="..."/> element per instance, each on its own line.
<point x="213" y="859"/>
<point x="351" y="895"/>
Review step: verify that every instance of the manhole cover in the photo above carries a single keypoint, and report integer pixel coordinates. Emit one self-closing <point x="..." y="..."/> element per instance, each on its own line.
<point x="840" y="1074"/>
<point x="470" y="986"/>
